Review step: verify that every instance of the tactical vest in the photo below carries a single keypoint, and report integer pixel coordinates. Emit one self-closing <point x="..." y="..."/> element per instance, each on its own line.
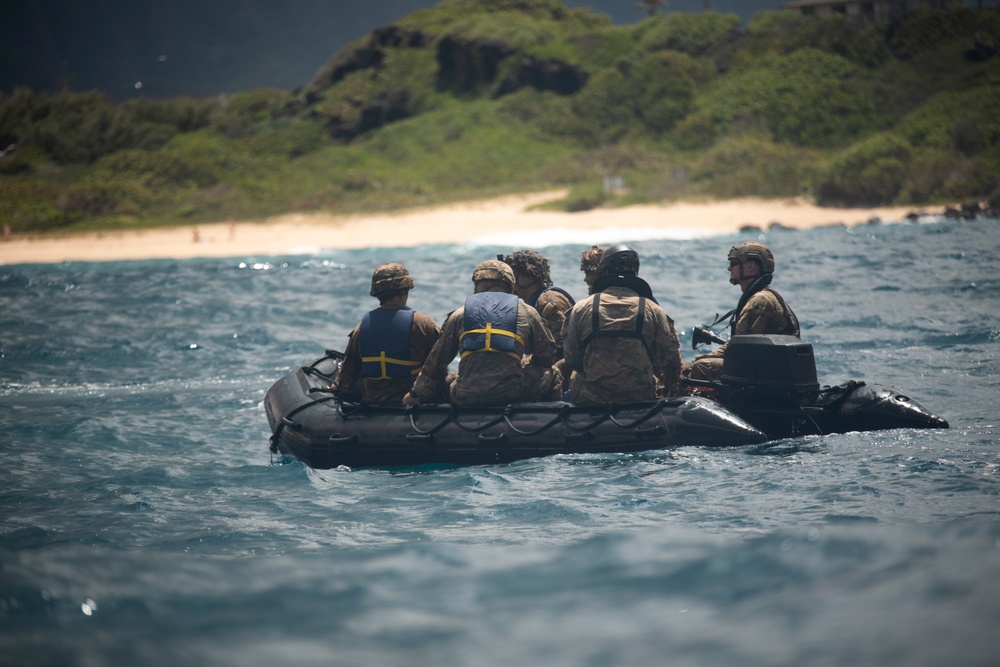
<point x="597" y="332"/>
<point x="385" y="344"/>
<point x="489" y="324"/>
<point x="791" y="327"/>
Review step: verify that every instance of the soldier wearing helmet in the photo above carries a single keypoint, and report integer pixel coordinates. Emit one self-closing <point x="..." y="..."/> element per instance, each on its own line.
<point x="388" y="347"/>
<point x="620" y="345"/>
<point x="761" y="310"/>
<point x="533" y="284"/>
<point x="506" y="351"/>
<point x="589" y="262"/>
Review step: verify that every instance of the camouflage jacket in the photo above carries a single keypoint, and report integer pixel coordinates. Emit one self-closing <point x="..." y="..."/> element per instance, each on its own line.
<point x="553" y="306"/>
<point x="423" y="334"/>
<point x="484" y="378"/>
<point x="618" y="370"/>
<point x="765" y="312"/>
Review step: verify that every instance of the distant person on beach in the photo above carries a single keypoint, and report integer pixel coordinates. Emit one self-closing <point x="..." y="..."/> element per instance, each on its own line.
<point x="620" y="345"/>
<point x="761" y="310"/>
<point x="506" y="350"/>
<point x="388" y="347"/>
<point x="589" y="262"/>
<point x="533" y="284"/>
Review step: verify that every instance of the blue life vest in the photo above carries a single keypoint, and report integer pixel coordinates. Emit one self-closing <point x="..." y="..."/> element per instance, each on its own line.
<point x="490" y="325"/>
<point x="385" y="344"/>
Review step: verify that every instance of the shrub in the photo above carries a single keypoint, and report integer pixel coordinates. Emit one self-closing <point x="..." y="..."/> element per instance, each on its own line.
<point x="687" y="32"/>
<point x="160" y="170"/>
<point x="652" y="94"/>
<point x="29" y="206"/>
<point x="787" y="32"/>
<point x="805" y="98"/>
<point x="241" y="114"/>
<point x="754" y="166"/>
<point x="870" y="173"/>
<point x="924" y="31"/>
<point x="78" y="128"/>
<point x="967" y="122"/>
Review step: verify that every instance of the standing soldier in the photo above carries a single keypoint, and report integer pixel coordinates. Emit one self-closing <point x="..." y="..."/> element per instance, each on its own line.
<point x="533" y="284"/>
<point x="620" y="344"/>
<point x="760" y="310"/>
<point x="388" y="347"/>
<point x="493" y="331"/>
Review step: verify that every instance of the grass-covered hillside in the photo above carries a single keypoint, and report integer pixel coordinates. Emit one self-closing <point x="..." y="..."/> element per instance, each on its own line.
<point x="481" y="97"/>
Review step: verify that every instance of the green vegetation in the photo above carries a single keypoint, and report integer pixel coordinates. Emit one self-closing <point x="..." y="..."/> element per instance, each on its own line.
<point x="476" y="98"/>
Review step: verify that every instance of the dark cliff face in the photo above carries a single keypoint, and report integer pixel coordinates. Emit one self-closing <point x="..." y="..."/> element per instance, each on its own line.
<point x="467" y="65"/>
<point x="371" y="55"/>
<point x="463" y="66"/>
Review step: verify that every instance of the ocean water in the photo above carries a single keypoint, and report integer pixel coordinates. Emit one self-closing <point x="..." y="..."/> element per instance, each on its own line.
<point x="144" y="522"/>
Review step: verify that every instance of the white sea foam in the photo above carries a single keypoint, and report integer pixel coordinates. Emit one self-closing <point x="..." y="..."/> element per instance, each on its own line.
<point x="542" y="238"/>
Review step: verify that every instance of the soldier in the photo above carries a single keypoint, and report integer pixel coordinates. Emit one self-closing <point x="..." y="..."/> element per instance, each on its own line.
<point x="620" y="343"/>
<point x="533" y="284"/>
<point x="494" y="332"/>
<point x="760" y="310"/>
<point x="388" y="347"/>
<point x="589" y="262"/>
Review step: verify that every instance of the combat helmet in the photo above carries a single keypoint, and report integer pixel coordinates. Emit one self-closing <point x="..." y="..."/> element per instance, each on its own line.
<point x="494" y="269"/>
<point x="529" y="263"/>
<point x="591" y="259"/>
<point x="392" y="277"/>
<point x="753" y="252"/>
<point x="619" y="260"/>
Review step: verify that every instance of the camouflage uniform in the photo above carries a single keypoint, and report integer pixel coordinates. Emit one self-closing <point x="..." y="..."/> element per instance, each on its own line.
<point x="551" y="303"/>
<point x="619" y="370"/>
<point x="589" y="262"/>
<point x="553" y="306"/>
<point x="489" y="378"/>
<point x="389" y="282"/>
<point x="764" y="313"/>
<point x="424" y="332"/>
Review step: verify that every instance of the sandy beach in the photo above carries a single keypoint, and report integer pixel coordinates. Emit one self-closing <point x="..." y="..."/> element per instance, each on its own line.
<point x="477" y="221"/>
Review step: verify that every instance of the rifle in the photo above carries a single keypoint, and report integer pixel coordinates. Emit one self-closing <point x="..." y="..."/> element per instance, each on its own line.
<point x="702" y="335"/>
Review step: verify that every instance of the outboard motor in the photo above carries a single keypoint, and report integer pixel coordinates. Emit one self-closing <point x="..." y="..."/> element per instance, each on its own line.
<point x="769" y="381"/>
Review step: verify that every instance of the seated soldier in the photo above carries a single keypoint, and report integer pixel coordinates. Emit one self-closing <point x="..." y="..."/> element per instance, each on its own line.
<point x="761" y="310"/>
<point x="533" y="284"/>
<point x="620" y="344"/>
<point x="493" y="331"/>
<point x="388" y="347"/>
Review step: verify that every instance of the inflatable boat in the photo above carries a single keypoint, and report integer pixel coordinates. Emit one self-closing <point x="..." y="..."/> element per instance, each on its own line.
<point x="768" y="391"/>
<point x="311" y="424"/>
<point x="770" y="381"/>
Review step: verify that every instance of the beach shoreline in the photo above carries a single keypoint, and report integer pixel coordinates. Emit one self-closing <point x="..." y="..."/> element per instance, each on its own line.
<point x="481" y="221"/>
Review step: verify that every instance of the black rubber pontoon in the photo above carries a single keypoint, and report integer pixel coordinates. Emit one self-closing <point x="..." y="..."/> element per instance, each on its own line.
<point x="312" y="425"/>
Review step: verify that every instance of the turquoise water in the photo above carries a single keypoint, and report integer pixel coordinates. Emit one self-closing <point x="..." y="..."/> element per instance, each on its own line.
<point x="143" y="521"/>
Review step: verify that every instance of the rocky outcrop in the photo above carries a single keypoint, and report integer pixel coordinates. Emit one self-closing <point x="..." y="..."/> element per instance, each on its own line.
<point x="464" y="66"/>
<point x="551" y="75"/>
<point x="387" y="107"/>
<point x="370" y="55"/>
<point x="469" y="65"/>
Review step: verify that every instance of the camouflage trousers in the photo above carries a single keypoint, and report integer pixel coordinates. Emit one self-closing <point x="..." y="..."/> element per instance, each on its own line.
<point x="706" y="368"/>
<point x="535" y="383"/>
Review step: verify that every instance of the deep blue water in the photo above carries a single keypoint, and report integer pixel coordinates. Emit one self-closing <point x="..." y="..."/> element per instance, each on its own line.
<point x="143" y="522"/>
